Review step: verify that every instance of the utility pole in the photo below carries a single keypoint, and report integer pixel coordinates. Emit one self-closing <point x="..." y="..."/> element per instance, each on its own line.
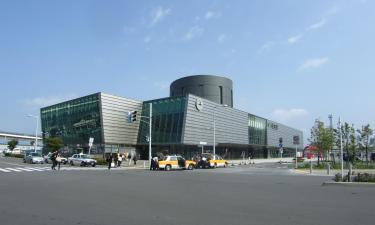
<point x="341" y="152"/>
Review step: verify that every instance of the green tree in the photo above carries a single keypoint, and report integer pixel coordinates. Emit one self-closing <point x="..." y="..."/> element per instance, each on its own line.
<point x="322" y="138"/>
<point x="364" y="138"/>
<point x="12" y="144"/>
<point x="54" y="143"/>
<point x="349" y="141"/>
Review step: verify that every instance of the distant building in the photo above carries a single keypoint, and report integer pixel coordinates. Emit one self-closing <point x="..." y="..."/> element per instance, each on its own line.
<point x="180" y="123"/>
<point x="25" y="141"/>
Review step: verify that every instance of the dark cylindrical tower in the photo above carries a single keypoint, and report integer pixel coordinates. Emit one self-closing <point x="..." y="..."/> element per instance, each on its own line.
<point x="214" y="88"/>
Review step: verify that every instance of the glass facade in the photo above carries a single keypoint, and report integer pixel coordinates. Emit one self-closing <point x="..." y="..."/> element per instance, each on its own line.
<point x="167" y="120"/>
<point x="257" y="130"/>
<point x="74" y="121"/>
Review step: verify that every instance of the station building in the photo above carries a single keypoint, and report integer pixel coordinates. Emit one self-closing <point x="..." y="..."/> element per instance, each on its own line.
<point x="25" y="141"/>
<point x="183" y="123"/>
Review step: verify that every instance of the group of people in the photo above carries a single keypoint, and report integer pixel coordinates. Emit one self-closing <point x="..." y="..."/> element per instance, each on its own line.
<point x="56" y="160"/>
<point x="115" y="159"/>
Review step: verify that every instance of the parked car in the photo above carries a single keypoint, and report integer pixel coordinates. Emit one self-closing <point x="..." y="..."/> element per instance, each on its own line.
<point x="33" y="157"/>
<point x="82" y="160"/>
<point x="208" y="160"/>
<point x="176" y="162"/>
<point x="47" y="159"/>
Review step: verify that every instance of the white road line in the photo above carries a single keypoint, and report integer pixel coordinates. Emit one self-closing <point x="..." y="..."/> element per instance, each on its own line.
<point x="24" y="169"/>
<point x="4" y="170"/>
<point x="34" y="169"/>
<point x="15" y="170"/>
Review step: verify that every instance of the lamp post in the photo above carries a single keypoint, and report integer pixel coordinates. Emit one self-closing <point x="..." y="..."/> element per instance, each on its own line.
<point x="36" y="131"/>
<point x="214" y="125"/>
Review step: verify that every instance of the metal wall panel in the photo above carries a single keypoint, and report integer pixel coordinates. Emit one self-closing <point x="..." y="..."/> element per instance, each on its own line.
<point x="277" y="130"/>
<point x="231" y="124"/>
<point x="116" y="129"/>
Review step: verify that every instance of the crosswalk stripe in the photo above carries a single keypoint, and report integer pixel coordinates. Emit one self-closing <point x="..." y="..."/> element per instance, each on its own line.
<point x="4" y="170"/>
<point x="34" y="169"/>
<point x="24" y="169"/>
<point x="15" y="170"/>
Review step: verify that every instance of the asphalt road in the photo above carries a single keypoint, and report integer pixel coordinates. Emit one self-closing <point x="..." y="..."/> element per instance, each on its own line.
<point x="260" y="194"/>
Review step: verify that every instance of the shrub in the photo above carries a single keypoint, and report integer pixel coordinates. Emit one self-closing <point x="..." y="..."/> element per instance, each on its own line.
<point x="101" y="161"/>
<point x="364" y="177"/>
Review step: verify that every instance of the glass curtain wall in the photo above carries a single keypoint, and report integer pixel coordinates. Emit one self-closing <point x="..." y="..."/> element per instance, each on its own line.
<point x="167" y="121"/>
<point x="257" y="130"/>
<point x="74" y="121"/>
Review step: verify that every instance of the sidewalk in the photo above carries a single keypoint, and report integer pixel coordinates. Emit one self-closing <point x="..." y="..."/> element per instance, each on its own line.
<point x="323" y="172"/>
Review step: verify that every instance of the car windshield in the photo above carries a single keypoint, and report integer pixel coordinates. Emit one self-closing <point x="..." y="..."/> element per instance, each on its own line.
<point x="85" y="156"/>
<point x="35" y="154"/>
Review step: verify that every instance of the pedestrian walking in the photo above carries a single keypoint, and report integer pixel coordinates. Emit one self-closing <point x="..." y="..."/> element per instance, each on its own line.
<point x="110" y="158"/>
<point x="135" y="159"/>
<point x="53" y="159"/>
<point x="115" y="159"/>
<point x="58" y="161"/>
<point x="119" y="160"/>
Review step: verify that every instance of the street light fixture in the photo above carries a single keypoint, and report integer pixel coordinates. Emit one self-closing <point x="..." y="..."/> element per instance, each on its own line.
<point x="214" y="125"/>
<point x="36" y="130"/>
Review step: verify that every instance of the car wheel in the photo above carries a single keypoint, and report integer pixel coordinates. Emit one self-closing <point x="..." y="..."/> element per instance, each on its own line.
<point x="168" y="167"/>
<point x="82" y="164"/>
<point x="71" y="163"/>
<point x="225" y="165"/>
<point x="190" y="167"/>
<point x="215" y="166"/>
<point x="93" y="165"/>
<point x="65" y="162"/>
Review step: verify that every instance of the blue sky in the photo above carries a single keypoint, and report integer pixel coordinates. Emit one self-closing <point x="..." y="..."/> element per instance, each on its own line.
<point x="291" y="61"/>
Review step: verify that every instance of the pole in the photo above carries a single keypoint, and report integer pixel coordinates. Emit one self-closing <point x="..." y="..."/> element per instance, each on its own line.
<point x="214" y="134"/>
<point x="341" y="151"/>
<point x="150" y="138"/>
<point x="296" y="156"/>
<point x="36" y="134"/>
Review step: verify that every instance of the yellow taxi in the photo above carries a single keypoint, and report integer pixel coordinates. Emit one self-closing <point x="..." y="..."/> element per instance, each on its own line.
<point x="208" y="160"/>
<point x="176" y="162"/>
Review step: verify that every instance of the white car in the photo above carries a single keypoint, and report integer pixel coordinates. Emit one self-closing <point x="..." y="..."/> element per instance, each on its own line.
<point x="47" y="159"/>
<point x="82" y="160"/>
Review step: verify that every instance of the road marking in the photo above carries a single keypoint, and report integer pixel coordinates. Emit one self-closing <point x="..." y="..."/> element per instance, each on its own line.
<point x="24" y="169"/>
<point x="4" y="170"/>
<point x="34" y="169"/>
<point x="15" y="170"/>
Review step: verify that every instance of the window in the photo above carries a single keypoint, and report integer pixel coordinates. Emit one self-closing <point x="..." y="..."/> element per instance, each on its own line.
<point x="221" y="94"/>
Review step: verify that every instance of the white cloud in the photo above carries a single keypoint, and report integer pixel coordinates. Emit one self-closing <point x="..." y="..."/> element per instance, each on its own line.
<point x="221" y="38"/>
<point x="313" y="63"/>
<point x="194" y="32"/>
<point x="147" y="39"/>
<point x="288" y="114"/>
<point x="39" y="102"/>
<point x="317" y="25"/>
<point x="266" y="46"/>
<point x="295" y="39"/>
<point x="159" y="14"/>
<point x="211" y="15"/>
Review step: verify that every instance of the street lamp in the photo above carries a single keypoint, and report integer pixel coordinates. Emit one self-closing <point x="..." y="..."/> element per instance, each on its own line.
<point x="214" y="125"/>
<point x="36" y="130"/>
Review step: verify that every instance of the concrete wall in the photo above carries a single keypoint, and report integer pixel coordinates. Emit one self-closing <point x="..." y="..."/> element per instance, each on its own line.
<point x="276" y="130"/>
<point x="116" y="129"/>
<point x="231" y="124"/>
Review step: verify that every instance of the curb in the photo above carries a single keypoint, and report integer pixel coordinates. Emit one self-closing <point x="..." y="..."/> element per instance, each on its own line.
<point x="348" y="184"/>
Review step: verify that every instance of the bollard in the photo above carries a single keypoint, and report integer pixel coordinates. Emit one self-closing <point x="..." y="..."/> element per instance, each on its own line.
<point x="328" y="169"/>
<point x="310" y="167"/>
<point x="144" y="164"/>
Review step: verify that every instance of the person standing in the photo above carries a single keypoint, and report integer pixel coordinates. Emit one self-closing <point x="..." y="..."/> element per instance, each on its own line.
<point x="110" y="158"/>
